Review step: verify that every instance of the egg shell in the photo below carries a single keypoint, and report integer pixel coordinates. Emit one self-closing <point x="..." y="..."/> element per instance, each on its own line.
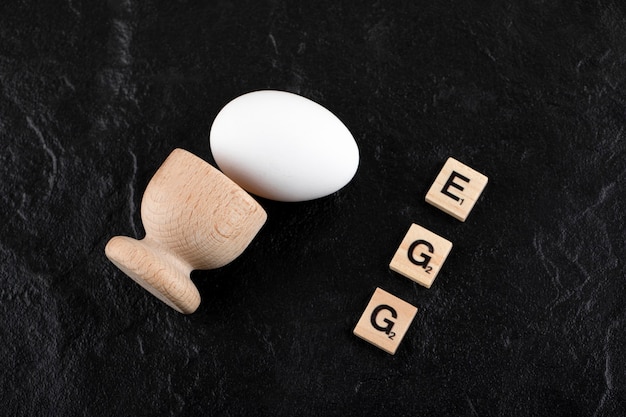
<point x="283" y="147"/>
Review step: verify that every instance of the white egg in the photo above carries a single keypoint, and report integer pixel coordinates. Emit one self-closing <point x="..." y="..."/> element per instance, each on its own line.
<point x="283" y="146"/>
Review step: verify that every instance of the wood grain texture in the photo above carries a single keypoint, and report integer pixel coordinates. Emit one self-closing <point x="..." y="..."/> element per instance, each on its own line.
<point x="195" y="218"/>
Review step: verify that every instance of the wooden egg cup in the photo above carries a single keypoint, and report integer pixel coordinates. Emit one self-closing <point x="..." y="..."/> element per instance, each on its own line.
<point x="195" y="218"/>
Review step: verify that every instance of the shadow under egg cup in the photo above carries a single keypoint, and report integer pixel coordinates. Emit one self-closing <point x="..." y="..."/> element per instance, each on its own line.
<point x="195" y="218"/>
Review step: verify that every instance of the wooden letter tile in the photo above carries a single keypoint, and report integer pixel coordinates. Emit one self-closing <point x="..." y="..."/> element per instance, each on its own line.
<point x="385" y="321"/>
<point x="456" y="189"/>
<point x="420" y="255"/>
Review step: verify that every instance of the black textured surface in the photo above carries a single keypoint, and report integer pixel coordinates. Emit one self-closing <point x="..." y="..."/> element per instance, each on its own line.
<point x="527" y="317"/>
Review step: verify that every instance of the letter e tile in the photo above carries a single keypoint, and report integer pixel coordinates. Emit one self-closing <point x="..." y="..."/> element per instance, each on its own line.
<point x="420" y="255"/>
<point x="456" y="189"/>
<point x="385" y="321"/>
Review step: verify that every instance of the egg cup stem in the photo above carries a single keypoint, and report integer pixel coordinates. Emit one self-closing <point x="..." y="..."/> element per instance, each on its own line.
<point x="157" y="269"/>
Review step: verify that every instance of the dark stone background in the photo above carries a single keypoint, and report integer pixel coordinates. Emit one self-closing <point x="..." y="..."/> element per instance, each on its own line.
<point x="527" y="317"/>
